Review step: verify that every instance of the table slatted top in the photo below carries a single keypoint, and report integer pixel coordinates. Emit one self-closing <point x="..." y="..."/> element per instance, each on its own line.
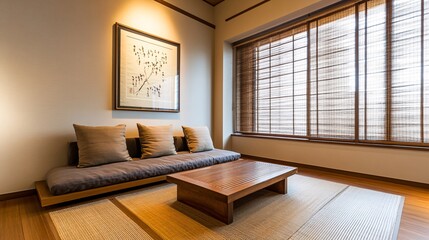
<point x="232" y="177"/>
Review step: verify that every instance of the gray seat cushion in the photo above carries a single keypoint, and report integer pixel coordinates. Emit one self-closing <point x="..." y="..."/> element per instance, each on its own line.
<point x="69" y="179"/>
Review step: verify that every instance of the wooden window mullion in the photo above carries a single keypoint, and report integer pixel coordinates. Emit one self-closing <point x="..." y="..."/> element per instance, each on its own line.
<point x="317" y="78"/>
<point x="389" y="69"/>
<point x="422" y="50"/>
<point x="308" y="81"/>
<point x="357" y="73"/>
<point x="366" y="71"/>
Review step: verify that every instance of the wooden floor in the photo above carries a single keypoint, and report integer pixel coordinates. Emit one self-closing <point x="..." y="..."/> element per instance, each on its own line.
<point x="23" y="218"/>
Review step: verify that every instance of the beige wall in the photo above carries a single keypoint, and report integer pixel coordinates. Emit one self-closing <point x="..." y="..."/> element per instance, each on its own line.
<point x="56" y="70"/>
<point x="409" y="165"/>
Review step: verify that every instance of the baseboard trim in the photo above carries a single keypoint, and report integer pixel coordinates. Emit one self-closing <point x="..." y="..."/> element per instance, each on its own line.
<point x="337" y="171"/>
<point x="25" y="193"/>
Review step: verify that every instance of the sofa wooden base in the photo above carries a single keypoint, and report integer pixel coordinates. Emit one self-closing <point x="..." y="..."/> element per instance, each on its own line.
<point x="47" y="199"/>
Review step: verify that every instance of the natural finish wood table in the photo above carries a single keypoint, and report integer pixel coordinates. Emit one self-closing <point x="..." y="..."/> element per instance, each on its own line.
<point x="214" y="189"/>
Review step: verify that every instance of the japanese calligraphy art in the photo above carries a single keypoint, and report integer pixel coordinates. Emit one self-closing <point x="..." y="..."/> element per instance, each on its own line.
<point x="147" y="72"/>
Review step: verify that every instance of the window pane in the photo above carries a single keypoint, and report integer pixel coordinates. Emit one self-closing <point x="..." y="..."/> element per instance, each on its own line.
<point x="426" y="71"/>
<point x="406" y="71"/>
<point x="245" y="89"/>
<point x="333" y="76"/>
<point x="281" y="70"/>
<point x="372" y="71"/>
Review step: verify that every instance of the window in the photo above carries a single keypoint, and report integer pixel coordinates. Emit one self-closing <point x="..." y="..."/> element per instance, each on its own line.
<point x="355" y="72"/>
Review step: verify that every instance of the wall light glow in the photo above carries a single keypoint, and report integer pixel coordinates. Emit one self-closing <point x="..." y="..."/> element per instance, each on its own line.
<point x="150" y="17"/>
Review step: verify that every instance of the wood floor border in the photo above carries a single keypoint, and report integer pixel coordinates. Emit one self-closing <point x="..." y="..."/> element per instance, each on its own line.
<point x="135" y="219"/>
<point x="337" y="171"/>
<point x="51" y="225"/>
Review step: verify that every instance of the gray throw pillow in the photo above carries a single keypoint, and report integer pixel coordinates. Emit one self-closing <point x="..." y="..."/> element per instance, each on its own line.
<point x="101" y="145"/>
<point x="156" y="141"/>
<point x="198" y="139"/>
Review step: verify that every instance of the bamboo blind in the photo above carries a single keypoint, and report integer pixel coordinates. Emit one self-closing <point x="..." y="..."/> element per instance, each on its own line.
<point x="356" y="72"/>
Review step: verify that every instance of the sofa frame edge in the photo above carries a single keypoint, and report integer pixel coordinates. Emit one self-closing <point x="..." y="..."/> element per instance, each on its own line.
<point x="47" y="199"/>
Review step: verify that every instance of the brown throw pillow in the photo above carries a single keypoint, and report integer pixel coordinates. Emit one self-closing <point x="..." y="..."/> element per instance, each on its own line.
<point x="198" y="139"/>
<point x="101" y="145"/>
<point x="156" y="141"/>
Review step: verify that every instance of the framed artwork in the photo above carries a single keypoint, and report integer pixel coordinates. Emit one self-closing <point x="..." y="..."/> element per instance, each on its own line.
<point x="147" y="71"/>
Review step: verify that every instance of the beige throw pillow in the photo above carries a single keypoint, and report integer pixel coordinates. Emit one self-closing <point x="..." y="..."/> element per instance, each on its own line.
<point x="198" y="139"/>
<point x="101" y="145"/>
<point x="156" y="141"/>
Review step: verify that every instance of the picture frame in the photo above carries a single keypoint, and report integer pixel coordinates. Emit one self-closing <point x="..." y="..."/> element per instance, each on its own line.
<point x="147" y="71"/>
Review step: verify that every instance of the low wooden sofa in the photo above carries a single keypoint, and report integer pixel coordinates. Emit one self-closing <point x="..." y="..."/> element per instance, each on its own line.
<point x="68" y="183"/>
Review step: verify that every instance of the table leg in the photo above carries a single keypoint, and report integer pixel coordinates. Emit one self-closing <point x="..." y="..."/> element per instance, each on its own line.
<point x="279" y="187"/>
<point x="221" y="210"/>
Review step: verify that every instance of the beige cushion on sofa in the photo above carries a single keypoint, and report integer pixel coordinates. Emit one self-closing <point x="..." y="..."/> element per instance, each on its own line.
<point x="198" y="139"/>
<point x="156" y="141"/>
<point x="101" y="145"/>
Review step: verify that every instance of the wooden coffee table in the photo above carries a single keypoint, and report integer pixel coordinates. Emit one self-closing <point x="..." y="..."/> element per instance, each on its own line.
<point x="214" y="189"/>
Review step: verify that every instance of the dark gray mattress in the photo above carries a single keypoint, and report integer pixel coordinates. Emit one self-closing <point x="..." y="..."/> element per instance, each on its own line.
<point x="69" y="179"/>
